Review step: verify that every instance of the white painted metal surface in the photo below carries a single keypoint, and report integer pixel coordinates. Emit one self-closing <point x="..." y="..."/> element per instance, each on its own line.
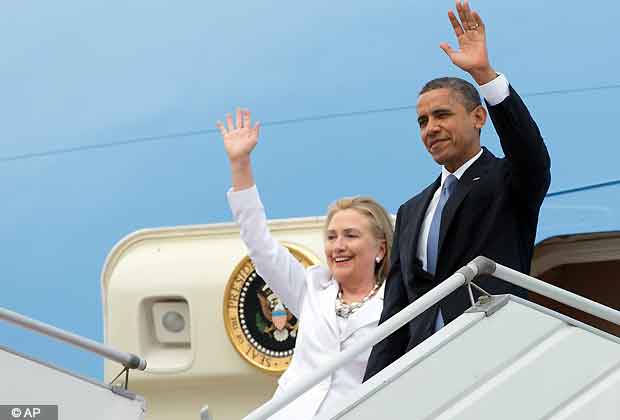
<point x="523" y="362"/>
<point x="30" y="382"/>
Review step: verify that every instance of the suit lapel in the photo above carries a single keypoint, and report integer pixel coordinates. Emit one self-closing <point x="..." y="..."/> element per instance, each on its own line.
<point x="327" y="300"/>
<point x="471" y="176"/>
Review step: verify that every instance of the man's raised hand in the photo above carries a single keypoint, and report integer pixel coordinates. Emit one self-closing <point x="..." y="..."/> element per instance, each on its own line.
<point x="240" y="137"/>
<point x="472" y="55"/>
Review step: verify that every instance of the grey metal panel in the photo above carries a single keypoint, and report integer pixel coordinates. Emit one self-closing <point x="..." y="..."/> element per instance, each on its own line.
<point x="566" y="319"/>
<point x="457" y="369"/>
<point x="598" y="402"/>
<point x="545" y="377"/>
<point x="34" y="383"/>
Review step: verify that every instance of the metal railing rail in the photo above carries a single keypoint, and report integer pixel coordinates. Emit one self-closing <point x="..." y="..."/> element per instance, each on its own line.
<point x="478" y="266"/>
<point x="128" y="360"/>
<point x="388" y="327"/>
<point x="553" y="292"/>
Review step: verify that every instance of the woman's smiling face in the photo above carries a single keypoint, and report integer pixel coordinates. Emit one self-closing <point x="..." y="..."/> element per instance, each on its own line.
<point x="351" y="247"/>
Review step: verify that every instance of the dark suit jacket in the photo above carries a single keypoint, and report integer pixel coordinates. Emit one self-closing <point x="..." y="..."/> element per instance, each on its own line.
<point x="492" y="212"/>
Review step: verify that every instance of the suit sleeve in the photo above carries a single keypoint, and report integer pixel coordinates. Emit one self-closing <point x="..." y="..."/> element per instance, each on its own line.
<point x="395" y="345"/>
<point x="524" y="148"/>
<point x="273" y="262"/>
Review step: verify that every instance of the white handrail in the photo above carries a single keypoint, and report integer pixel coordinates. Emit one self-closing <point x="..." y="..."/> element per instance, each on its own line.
<point x="128" y="360"/>
<point x="553" y="292"/>
<point x="478" y="266"/>
<point x="388" y="327"/>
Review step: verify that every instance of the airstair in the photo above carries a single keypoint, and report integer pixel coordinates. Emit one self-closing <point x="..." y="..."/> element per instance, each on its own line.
<point x="505" y="358"/>
<point x="32" y="389"/>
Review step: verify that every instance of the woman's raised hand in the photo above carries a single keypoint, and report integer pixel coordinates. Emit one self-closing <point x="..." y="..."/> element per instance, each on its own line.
<point x="240" y="137"/>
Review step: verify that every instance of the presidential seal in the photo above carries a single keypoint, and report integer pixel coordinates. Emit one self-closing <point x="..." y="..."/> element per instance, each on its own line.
<point x="259" y="325"/>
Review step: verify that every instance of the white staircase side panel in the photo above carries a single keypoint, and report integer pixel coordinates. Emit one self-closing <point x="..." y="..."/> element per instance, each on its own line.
<point x="35" y="383"/>
<point x="598" y="402"/>
<point x="519" y="363"/>
<point x="546" y="377"/>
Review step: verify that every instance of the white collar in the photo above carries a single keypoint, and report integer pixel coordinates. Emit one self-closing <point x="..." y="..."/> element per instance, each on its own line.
<point x="460" y="171"/>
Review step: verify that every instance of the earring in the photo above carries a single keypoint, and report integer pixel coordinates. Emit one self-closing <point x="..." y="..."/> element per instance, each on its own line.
<point x="378" y="259"/>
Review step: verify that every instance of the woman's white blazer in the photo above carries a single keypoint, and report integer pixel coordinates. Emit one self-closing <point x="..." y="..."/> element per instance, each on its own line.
<point x="310" y="294"/>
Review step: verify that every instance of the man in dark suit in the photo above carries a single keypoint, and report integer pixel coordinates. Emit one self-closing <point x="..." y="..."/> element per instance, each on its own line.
<point x="479" y="205"/>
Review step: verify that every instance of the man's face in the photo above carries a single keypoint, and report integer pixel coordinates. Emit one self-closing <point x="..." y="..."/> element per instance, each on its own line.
<point x="449" y="132"/>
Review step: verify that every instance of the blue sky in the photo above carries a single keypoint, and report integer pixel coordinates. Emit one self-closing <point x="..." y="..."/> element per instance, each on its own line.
<point x="106" y="72"/>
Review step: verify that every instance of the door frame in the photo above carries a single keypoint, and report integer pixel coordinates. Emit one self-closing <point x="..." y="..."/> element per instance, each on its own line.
<point x="575" y="249"/>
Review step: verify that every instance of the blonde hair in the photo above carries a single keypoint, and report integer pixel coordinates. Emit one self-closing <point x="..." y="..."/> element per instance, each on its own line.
<point x="380" y="224"/>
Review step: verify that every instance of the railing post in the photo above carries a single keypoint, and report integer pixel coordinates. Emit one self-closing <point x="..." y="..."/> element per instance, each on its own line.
<point x="204" y="413"/>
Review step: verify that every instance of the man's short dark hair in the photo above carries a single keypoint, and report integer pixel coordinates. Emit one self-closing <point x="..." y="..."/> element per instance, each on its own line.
<point x="467" y="93"/>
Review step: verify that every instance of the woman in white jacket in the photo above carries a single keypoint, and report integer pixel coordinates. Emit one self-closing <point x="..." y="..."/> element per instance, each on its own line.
<point x="335" y="305"/>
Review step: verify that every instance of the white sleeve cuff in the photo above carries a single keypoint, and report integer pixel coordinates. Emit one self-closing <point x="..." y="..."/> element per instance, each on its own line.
<point x="243" y="198"/>
<point x="496" y="90"/>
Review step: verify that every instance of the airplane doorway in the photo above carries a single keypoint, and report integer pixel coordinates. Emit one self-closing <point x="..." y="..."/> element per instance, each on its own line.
<point x="588" y="265"/>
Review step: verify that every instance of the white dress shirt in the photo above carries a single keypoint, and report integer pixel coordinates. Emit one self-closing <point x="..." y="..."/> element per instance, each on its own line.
<point x="494" y="92"/>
